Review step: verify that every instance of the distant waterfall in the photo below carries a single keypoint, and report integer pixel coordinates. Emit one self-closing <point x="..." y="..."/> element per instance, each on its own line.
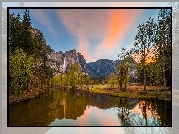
<point x="64" y="66"/>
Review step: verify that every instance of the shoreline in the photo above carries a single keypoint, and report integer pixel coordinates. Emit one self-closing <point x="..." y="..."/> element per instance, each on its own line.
<point x="112" y="93"/>
<point x="24" y="97"/>
<point x="118" y="94"/>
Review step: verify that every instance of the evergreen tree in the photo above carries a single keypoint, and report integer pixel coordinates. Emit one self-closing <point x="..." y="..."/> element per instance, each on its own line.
<point x="27" y="43"/>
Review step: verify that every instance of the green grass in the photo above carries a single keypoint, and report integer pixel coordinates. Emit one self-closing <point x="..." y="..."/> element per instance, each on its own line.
<point x="133" y="93"/>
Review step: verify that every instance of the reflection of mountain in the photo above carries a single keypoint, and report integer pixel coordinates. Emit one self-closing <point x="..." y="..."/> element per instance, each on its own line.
<point x="64" y="105"/>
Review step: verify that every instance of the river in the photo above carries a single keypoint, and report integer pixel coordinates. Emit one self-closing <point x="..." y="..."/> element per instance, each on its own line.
<point x="70" y="108"/>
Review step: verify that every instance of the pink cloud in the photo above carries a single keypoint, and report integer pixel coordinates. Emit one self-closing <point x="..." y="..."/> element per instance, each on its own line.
<point x="104" y="119"/>
<point x="120" y="22"/>
<point x="85" y="118"/>
<point x="85" y="24"/>
<point x="109" y="25"/>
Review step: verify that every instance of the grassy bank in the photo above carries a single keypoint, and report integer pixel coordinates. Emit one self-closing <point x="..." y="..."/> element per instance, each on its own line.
<point x="133" y="91"/>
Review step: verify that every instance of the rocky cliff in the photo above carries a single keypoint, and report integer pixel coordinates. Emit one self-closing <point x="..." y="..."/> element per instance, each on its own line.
<point x="100" y="68"/>
<point x="60" y="60"/>
<point x="103" y="67"/>
<point x="63" y="59"/>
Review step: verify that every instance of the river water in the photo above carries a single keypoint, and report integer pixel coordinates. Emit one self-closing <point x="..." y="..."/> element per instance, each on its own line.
<point x="70" y="108"/>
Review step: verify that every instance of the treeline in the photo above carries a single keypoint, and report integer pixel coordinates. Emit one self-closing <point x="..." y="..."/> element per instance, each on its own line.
<point x="152" y="51"/>
<point x="73" y="77"/>
<point x="28" y="68"/>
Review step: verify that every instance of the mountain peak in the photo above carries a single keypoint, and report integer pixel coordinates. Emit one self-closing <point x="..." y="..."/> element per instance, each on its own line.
<point x="100" y="68"/>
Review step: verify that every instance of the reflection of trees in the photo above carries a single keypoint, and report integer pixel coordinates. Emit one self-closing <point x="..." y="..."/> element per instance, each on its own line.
<point x="128" y="118"/>
<point x="70" y="105"/>
<point x="75" y="106"/>
<point x="147" y="114"/>
<point x="124" y="116"/>
<point x="164" y="110"/>
<point x="36" y="112"/>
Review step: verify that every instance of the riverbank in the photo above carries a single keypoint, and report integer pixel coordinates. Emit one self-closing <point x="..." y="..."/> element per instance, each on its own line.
<point x="26" y="96"/>
<point x="131" y="92"/>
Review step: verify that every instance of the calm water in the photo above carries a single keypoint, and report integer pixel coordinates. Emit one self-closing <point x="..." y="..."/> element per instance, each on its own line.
<point x="70" y="108"/>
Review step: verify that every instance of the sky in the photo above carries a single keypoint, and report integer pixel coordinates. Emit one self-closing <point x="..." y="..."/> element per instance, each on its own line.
<point x="95" y="33"/>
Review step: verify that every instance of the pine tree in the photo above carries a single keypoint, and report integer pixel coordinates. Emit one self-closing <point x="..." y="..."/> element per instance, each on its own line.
<point x="27" y="43"/>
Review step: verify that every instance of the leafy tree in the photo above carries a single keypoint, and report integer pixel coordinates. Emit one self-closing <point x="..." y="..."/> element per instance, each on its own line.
<point x="87" y="80"/>
<point x="163" y="43"/>
<point x="145" y="40"/>
<point x="123" y="73"/>
<point x="81" y="79"/>
<point x="56" y="80"/>
<point x="65" y="80"/>
<point x="73" y="72"/>
<point x="20" y="70"/>
<point x="112" y="79"/>
<point x="32" y="42"/>
<point x="123" y="69"/>
<point x="154" y="74"/>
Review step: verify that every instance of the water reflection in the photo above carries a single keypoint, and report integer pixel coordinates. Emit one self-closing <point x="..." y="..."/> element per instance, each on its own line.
<point x="70" y="108"/>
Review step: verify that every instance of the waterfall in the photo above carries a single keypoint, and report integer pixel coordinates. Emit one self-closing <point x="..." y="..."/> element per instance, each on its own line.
<point x="64" y="66"/>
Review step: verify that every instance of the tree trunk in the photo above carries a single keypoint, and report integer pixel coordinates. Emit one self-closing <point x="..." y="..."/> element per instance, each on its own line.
<point x="125" y="86"/>
<point x="163" y="69"/>
<point x="120" y="84"/>
<point x="144" y="80"/>
<point x="164" y="79"/>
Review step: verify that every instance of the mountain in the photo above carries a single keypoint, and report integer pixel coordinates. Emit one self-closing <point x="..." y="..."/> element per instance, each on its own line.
<point x="100" y="68"/>
<point x="103" y="67"/>
<point x="60" y="60"/>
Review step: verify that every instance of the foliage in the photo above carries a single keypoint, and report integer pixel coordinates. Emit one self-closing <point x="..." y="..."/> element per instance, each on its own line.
<point x="73" y="73"/>
<point x="163" y="43"/>
<point x="145" y="40"/>
<point x="20" y="70"/>
<point x="30" y="44"/>
<point x="81" y="79"/>
<point x="123" y="72"/>
<point x="112" y="79"/>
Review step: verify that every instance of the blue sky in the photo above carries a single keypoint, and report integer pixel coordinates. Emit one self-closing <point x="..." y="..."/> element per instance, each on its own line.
<point x="97" y="34"/>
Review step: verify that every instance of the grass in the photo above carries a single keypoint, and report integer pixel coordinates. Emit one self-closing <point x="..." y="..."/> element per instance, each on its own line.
<point x="133" y="91"/>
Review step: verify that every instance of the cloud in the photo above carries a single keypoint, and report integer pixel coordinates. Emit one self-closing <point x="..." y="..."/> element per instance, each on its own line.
<point x="84" y="119"/>
<point x="120" y="22"/>
<point x="109" y="25"/>
<point x="106" y="118"/>
<point x="85" y="24"/>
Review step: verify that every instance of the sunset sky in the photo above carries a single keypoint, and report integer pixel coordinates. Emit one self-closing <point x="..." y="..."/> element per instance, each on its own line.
<point x="95" y="33"/>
